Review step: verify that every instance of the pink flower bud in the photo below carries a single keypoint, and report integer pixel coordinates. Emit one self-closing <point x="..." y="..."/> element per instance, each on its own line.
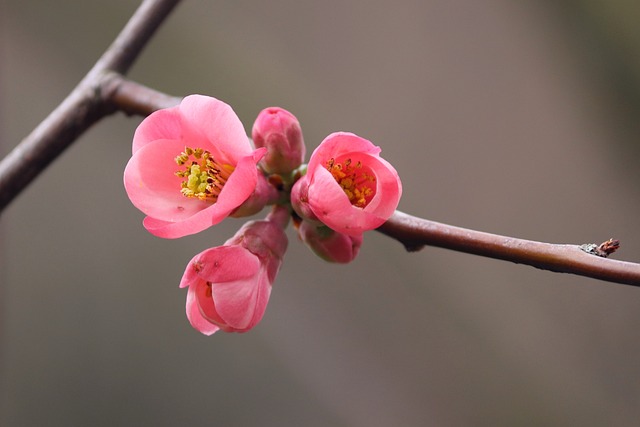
<point x="192" y="165"/>
<point x="348" y="186"/>
<point x="230" y="285"/>
<point x="328" y="244"/>
<point x="279" y="131"/>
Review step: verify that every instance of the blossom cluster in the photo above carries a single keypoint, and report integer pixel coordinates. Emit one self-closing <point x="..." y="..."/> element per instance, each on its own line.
<point x="193" y="165"/>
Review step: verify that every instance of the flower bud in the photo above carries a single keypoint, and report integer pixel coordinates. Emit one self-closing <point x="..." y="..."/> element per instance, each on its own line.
<point x="230" y="285"/>
<point x="279" y="131"/>
<point x="328" y="244"/>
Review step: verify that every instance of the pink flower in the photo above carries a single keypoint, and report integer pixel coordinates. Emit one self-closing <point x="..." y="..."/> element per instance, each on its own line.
<point x="192" y="166"/>
<point x="328" y="244"/>
<point x="230" y="285"/>
<point x="279" y="131"/>
<point x="348" y="186"/>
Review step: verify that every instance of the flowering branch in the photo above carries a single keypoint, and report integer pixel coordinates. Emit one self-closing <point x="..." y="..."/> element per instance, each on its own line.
<point x="105" y="91"/>
<point x="584" y="260"/>
<point x="100" y="93"/>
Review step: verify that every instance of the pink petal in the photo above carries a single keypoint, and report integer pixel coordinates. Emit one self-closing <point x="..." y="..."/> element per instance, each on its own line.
<point x="152" y="185"/>
<point x="213" y="125"/>
<point x="221" y="264"/>
<point x="199" y="322"/>
<point x="190" y="274"/>
<point x="300" y="199"/>
<point x="339" y="144"/>
<point x="263" y="292"/>
<point x="226" y="264"/>
<point x="242" y="303"/>
<point x="388" y="189"/>
<point x="153" y="188"/>
<point x="162" y="124"/>
<point x="233" y="273"/>
<point x="206" y="305"/>
<point x="332" y="206"/>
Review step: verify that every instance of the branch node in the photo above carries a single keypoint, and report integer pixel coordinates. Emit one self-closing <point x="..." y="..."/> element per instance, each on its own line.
<point x="608" y="247"/>
<point x="603" y="250"/>
<point x="412" y="247"/>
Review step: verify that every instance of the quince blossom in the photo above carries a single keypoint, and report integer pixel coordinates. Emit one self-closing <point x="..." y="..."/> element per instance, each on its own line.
<point x="230" y="285"/>
<point x="192" y="166"/>
<point x="348" y="186"/>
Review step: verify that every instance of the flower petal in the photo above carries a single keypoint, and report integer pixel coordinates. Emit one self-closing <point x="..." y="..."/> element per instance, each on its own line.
<point x="152" y="185"/>
<point x="197" y="320"/>
<point x="226" y="264"/>
<point x="242" y="303"/>
<point x="210" y="120"/>
<point x="161" y="124"/>
<point x="337" y="145"/>
<point x="332" y="206"/>
<point x="234" y="275"/>
<point x="388" y="189"/>
<point x="155" y="190"/>
<point x="220" y="264"/>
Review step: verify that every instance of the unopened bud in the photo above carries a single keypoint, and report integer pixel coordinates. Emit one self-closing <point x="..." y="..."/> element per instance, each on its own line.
<point x="328" y="244"/>
<point x="279" y="131"/>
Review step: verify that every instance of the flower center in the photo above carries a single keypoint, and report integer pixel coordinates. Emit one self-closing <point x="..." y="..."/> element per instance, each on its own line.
<point x="356" y="182"/>
<point x="208" y="291"/>
<point x="203" y="176"/>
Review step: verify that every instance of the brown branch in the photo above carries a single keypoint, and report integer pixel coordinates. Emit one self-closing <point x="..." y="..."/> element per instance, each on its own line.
<point x="133" y="98"/>
<point x="84" y="106"/>
<point x="415" y="232"/>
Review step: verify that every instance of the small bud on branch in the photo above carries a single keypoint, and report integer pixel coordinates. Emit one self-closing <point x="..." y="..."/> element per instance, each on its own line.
<point x="414" y="232"/>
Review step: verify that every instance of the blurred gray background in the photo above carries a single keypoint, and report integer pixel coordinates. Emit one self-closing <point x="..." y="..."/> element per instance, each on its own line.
<point x="517" y="118"/>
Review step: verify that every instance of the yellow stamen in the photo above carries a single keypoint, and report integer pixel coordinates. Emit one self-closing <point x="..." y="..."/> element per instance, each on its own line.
<point x="204" y="177"/>
<point x="358" y="185"/>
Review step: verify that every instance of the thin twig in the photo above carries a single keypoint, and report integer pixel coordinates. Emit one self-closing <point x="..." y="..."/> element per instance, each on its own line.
<point x="133" y="98"/>
<point x="415" y="232"/>
<point x="84" y="106"/>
